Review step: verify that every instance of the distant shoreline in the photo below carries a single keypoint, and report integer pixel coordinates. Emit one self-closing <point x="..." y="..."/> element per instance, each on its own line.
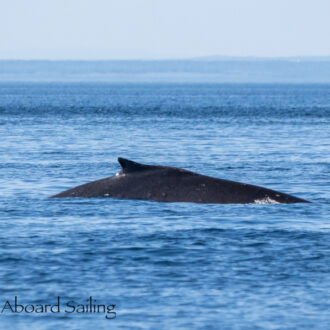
<point x="238" y="70"/>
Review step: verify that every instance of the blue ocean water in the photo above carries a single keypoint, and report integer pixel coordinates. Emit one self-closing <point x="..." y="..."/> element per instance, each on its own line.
<point x="165" y="265"/>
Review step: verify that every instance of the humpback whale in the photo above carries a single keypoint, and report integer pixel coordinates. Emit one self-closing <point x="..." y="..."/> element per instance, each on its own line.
<point x="171" y="184"/>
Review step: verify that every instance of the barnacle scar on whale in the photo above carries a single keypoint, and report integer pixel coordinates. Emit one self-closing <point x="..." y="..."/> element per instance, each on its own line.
<point x="171" y="184"/>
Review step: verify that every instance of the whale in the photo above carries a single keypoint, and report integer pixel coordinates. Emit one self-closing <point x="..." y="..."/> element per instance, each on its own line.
<point x="172" y="184"/>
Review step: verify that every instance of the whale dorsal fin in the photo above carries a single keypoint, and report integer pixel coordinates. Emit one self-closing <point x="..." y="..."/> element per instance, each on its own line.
<point x="129" y="166"/>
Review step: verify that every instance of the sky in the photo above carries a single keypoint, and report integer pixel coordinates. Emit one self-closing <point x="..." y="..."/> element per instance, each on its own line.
<point x="162" y="29"/>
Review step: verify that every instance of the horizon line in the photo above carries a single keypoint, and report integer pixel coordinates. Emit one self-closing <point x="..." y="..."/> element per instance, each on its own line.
<point x="195" y="58"/>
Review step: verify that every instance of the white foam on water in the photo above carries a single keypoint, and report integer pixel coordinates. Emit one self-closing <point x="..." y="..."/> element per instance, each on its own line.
<point x="266" y="200"/>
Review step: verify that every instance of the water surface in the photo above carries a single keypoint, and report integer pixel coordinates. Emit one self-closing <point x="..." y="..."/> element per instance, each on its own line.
<point x="165" y="265"/>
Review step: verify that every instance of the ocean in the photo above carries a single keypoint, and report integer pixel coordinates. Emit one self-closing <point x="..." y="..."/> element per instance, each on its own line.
<point x="163" y="265"/>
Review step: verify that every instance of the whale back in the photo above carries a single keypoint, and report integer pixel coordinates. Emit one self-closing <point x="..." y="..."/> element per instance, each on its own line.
<point x="171" y="184"/>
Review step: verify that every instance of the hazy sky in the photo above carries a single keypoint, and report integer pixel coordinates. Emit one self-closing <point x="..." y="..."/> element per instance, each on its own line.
<point x="157" y="29"/>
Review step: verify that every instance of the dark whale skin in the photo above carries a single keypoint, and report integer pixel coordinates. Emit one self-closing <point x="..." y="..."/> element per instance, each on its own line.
<point x="171" y="184"/>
